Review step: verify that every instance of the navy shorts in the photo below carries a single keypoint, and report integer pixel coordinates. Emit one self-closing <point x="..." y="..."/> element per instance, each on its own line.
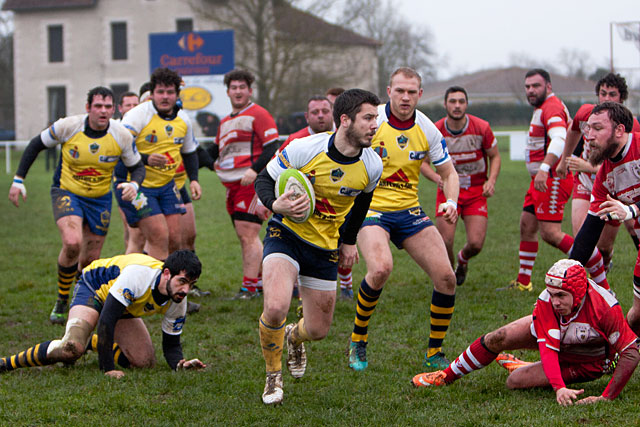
<point x="399" y="224"/>
<point x="96" y="212"/>
<point x="164" y="200"/>
<point x="317" y="268"/>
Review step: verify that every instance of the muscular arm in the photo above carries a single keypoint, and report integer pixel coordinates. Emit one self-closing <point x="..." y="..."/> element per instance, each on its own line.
<point x="493" y="154"/>
<point x="29" y="156"/>
<point x="586" y="239"/>
<point x="111" y="313"/>
<point x="427" y="171"/>
<point x="358" y="213"/>
<point x="450" y="182"/>
<point x="172" y="349"/>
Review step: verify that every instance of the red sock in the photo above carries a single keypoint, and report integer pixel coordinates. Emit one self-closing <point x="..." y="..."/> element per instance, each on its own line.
<point x="475" y="357"/>
<point x="528" y="253"/>
<point x="595" y="267"/>
<point x="346" y="279"/>
<point x="461" y="259"/>
<point x="250" y="284"/>
<point x="566" y="243"/>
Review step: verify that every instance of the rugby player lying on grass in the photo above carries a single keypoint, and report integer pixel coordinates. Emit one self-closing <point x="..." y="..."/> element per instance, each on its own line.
<point x="577" y="326"/>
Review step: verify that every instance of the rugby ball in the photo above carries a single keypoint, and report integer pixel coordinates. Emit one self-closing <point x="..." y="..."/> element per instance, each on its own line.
<point x="293" y="179"/>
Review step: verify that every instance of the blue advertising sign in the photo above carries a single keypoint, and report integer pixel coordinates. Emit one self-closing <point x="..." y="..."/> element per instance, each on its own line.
<point x="192" y="53"/>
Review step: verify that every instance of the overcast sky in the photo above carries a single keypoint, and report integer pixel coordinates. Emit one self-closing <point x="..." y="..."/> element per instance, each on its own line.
<point x="472" y="35"/>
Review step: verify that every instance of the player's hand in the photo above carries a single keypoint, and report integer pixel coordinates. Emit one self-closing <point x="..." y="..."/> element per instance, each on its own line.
<point x="191" y="364"/>
<point x="615" y="210"/>
<point x="348" y="255"/>
<point x="129" y="190"/>
<point x="578" y="164"/>
<point x="248" y="177"/>
<point x="540" y="181"/>
<point x="157" y="159"/>
<point x="591" y="399"/>
<point x="114" y="374"/>
<point x="561" y="169"/>
<point x="294" y="208"/>
<point x="196" y="190"/>
<point x="488" y="188"/>
<point x="566" y="396"/>
<point x="17" y="188"/>
<point x="449" y="210"/>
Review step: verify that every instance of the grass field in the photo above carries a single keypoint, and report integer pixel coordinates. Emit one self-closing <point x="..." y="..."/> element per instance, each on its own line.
<point x="224" y="334"/>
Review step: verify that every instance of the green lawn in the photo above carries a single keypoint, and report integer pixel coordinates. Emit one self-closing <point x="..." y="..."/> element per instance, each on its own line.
<point x="225" y="335"/>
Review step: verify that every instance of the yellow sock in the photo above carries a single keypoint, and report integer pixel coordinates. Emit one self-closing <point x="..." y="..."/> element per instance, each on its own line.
<point x="271" y="341"/>
<point x="299" y="333"/>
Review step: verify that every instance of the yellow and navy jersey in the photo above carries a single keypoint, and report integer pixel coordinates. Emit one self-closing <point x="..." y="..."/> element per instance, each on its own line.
<point x="336" y="184"/>
<point x="88" y="156"/>
<point x="155" y="134"/>
<point x="403" y="146"/>
<point x="131" y="279"/>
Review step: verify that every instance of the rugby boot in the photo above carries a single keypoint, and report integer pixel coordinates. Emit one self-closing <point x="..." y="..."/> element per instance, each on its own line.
<point x="510" y="362"/>
<point x="437" y="361"/>
<point x="515" y="285"/>
<point x="461" y="273"/>
<point x="197" y="292"/>
<point x="429" y="379"/>
<point x="273" y="393"/>
<point x="296" y="354"/>
<point x="358" y="355"/>
<point x="58" y="314"/>
<point x="346" y="293"/>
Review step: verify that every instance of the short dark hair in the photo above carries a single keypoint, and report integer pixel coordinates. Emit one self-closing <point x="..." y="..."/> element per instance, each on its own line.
<point x="407" y="72"/>
<point x="453" y="89"/>
<point x="183" y="260"/>
<point x="124" y="95"/>
<point x="317" y="98"/>
<point x="539" y="71"/>
<point x="618" y="114"/>
<point x="239" y="75"/>
<point x="165" y="77"/>
<point x="335" y="91"/>
<point x="104" y="92"/>
<point x="350" y="103"/>
<point x="146" y="87"/>
<point x="617" y="81"/>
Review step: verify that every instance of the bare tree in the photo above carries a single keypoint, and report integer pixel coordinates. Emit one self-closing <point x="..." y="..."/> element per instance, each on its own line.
<point x="403" y="43"/>
<point x="6" y="71"/>
<point x="281" y="52"/>
<point x="575" y="62"/>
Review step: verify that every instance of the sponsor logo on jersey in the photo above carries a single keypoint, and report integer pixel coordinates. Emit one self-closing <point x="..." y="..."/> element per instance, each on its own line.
<point x="168" y="129"/>
<point x="334" y="256"/>
<point x="152" y="138"/>
<point x="349" y="192"/>
<point x="89" y="175"/>
<point x="94" y="148"/>
<point x="402" y="141"/>
<point x="417" y="155"/>
<point x="416" y="211"/>
<point x="178" y="140"/>
<point x="73" y="152"/>
<point x="274" y="232"/>
<point x="283" y="160"/>
<point x="381" y="151"/>
<point x="64" y="204"/>
<point x="613" y="338"/>
<point x="178" y="324"/>
<point x="108" y="159"/>
<point x="128" y="295"/>
<point x="336" y="175"/>
<point x="311" y="176"/>
<point x="324" y="210"/>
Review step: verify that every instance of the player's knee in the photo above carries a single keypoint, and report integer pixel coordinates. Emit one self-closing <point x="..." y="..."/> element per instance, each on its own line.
<point x="275" y="312"/>
<point x="474" y="247"/>
<point x="143" y="361"/>
<point x="380" y="273"/>
<point x="495" y="340"/>
<point x="515" y="381"/>
<point x="71" y="247"/>
<point x="445" y="284"/>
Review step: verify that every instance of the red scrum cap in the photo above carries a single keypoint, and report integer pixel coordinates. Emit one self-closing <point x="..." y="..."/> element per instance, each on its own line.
<point x="570" y="276"/>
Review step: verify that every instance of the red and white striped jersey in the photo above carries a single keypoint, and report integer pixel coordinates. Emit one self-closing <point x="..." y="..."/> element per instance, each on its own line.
<point x="596" y="332"/>
<point x="241" y="138"/>
<point x="468" y="149"/>
<point x="552" y="113"/>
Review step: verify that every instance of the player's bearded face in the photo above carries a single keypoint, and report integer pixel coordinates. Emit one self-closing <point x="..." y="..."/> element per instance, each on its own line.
<point x="600" y="152"/>
<point x="536" y="90"/>
<point x="177" y="288"/>
<point x="456" y="105"/>
<point x="599" y="134"/>
<point x="164" y="98"/>
<point x="362" y="130"/>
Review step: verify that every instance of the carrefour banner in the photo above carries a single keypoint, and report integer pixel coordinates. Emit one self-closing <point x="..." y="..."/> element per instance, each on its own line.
<point x="192" y="53"/>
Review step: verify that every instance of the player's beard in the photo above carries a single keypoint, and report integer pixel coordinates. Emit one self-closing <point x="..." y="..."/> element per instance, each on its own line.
<point x="356" y="139"/>
<point x="598" y="155"/>
<point x="538" y="100"/>
<point x="181" y="295"/>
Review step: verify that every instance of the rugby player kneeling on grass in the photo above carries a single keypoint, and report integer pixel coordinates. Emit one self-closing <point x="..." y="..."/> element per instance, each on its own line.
<point x="113" y="293"/>
<point x="577" y="326"/>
